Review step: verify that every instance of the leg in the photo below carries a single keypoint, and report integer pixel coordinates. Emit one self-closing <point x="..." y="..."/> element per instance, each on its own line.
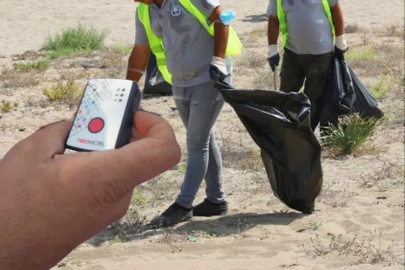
<point x="316" y="74"/>
<point x="182" y="103"/>
<point x="213" y="177"/>
<point x="292" y="74"/>
<point x="215" y="203"/>
<point x="205" y="106"/>
<point x="176" y="213"/>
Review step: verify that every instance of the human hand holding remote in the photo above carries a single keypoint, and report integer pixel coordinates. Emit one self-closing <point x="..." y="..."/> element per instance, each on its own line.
<point x="51" y="202"/>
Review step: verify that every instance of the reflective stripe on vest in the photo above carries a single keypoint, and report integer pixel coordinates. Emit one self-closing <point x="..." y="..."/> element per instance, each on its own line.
<point x="156" y="43"/>
<point x="283" y="23"/>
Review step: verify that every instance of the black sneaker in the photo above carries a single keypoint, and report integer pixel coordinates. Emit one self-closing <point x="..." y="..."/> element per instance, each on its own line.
<point x="208" y="209"/>
<point x="172" y="216"/>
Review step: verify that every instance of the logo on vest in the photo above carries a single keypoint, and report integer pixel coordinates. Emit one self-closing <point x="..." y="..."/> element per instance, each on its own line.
<point x="176" y="10"/>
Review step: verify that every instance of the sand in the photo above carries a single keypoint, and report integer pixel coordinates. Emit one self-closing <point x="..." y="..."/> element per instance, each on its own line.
<point x="359" y="218"/>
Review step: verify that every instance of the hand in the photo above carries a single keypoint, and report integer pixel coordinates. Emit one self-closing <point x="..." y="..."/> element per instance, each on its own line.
<point x="218" y="71"/>
<point x="340" y="47"/>
<point x="273" y="57"/>
<point x="51" y="202"/>
<point x="340" y="43"/>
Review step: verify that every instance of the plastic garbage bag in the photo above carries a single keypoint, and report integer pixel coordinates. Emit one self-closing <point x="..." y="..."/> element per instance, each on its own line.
<point x="279" y="123"/>
<point x="339" y="93"/>
<point x="345" y="94"/>
<point x="155" y="84"/>
<point x="365" y="104"/>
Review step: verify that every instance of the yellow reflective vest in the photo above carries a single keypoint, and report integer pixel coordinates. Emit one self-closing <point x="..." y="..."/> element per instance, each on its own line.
<point x="156" y="43"/>
<point x="283" y="23"/>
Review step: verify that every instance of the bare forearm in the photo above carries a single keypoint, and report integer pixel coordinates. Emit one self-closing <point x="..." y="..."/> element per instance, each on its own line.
<point x="272" y="30"/>
<point x="137" y="63"/>
<point x="338" y="21"/>
<point x="221" y="34"/>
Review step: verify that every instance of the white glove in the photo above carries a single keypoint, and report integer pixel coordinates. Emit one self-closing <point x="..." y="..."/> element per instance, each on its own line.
<point x="272" y="50"/>
<point x="340" y="43"/>
<point x="220" y="64"/>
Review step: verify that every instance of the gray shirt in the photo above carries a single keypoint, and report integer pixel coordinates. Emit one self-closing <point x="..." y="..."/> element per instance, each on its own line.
<point x="188" y="46"/>
<point x="308" y="27"/>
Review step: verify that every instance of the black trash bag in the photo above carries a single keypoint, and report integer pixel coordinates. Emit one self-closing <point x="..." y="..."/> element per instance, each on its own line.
<point x="339" y="93"/>
<point x="155" y="84"/>
<point x="345" y="94"/>
<point x="279" y="123"/>
<point x="365" y="105"/>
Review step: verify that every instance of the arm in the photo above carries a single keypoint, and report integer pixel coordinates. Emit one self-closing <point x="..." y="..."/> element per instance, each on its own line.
<point x="137" y="62"/>
<point x="139" y="58"/>
<point x="221" y="33"/>
<point x="272" y="35"/>
<point x="338" y="21"/>
<point x="272" y="30"/>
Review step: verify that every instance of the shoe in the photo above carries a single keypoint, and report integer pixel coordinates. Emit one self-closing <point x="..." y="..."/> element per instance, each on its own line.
<point x="208" y="209"/>
<point x="172" y="216"/>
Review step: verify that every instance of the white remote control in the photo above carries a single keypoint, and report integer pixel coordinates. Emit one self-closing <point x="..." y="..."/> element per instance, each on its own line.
<point x="104" y="118"/>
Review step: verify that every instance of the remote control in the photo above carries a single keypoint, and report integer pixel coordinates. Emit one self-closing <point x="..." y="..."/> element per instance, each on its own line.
<point x="104" y="117"/>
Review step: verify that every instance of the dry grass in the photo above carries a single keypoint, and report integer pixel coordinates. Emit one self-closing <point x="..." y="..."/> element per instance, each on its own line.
<point x="68" y="94"/>
<point x="252" y="60"/>
<point x="367" y="250"/>
<point x="353" y="28"/>
<point x="121" y="231"/>
<point x="254" y="38"/>
<point x="377" y="59"/>
<point x="12" y="78"/>
<point x="159" y="189"/>
<point x="335" y="195"/>
<point x="381" y="87"/>
<point x="8" y="106"/>
<point x="28" y="55"/>
<point x="393" y="30"/>
<point x="388" y="175"/>
<point x="240" y="157"/>
<point x="172" y="237"/>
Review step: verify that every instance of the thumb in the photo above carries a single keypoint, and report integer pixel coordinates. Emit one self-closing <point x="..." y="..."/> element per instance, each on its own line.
<point x="123" y="169"/>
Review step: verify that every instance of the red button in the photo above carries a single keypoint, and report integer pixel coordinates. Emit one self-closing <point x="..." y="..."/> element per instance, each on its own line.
<point x="96" y="125"/>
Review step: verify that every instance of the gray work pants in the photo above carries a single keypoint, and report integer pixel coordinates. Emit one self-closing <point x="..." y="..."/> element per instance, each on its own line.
<point x="199" y="107"/>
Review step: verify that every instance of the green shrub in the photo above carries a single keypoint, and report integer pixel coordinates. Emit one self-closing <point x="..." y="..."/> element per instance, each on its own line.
<point x="41" y="64"/>
<point x="350" y="133"/>
<point x="74" y="40"/>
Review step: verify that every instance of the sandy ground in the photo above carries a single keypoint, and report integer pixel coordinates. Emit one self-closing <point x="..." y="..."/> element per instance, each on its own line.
<point x="359" y="222"/>
<point x="25" y="24"/>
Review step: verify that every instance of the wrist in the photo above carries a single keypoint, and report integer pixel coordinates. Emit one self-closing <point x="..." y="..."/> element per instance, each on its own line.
<point x="340" y="42"/>
<point x="272" y="50"/>
<point x="219" y="63"/>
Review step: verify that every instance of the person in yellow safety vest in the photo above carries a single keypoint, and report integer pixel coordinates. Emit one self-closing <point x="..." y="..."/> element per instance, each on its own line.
<point x="193" y="49"/>
<point x="312" y="32"/>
